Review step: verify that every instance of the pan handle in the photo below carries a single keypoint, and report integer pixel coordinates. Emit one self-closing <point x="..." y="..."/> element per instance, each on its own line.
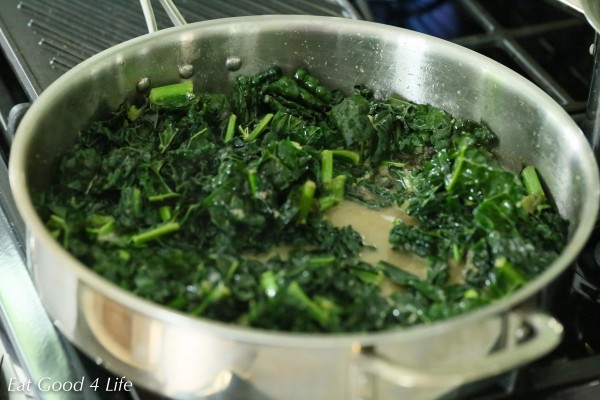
<point x="172" y="11"/>
<point x="528" y="337"/>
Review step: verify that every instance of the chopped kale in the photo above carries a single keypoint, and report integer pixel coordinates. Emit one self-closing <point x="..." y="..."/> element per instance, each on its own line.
<point x="216" y="205"/>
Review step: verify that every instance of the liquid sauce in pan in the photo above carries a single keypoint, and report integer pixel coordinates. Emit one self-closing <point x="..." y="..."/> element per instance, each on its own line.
<point x="374" y="226"/>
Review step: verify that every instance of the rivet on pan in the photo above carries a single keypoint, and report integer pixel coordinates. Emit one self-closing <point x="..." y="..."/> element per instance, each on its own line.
<point x="186" y="71"/>
<point x="522" y="333"/>
<point x="143" y="84"/>
<point x="233" y="63"/>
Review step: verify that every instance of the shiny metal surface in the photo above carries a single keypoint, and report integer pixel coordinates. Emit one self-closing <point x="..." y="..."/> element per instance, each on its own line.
<point x="591" y="10"/>
<point x="173" y="13"/>
<point x="149" y="16"/>
<point x="574" y="4"/>
<point x="547" y="335"/>
<point x="39" y="348"/>
<point x="187" y="357"/>
<point x="8" y="376"/>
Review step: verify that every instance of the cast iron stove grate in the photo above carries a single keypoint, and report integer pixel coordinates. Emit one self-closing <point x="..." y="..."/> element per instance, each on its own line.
<point x="541" y="40"/>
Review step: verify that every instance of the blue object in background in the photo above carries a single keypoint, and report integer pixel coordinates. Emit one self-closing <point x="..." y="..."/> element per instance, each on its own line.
<point x="439" y="18"/>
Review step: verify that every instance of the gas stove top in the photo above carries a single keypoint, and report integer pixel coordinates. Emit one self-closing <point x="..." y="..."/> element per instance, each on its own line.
<point x="546" y="41"/>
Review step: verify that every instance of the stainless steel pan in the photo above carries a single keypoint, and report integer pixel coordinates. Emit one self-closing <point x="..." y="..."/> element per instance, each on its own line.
<point x="186" y="357"/>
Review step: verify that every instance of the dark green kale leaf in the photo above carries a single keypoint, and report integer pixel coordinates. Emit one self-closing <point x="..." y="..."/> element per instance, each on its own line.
<point x="476" y="176"/>
<point x="282" y="163"/>
<point x="78" y="167"/>
<point x="351" y="118"/>
<point x="387" y="134"/>
<point x="415" y="240"/>
<point x="312" y="84"/>
<point x="432" y="125"/>
<point x="470" y="133"/>
<point x="294" y="128"/>
<point x="370" y="194"/>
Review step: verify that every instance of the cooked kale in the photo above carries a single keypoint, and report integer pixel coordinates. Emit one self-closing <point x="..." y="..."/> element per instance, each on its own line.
<point x="216" y="205"/>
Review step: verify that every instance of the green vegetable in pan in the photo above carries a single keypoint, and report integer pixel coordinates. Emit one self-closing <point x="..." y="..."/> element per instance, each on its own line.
<point x="222" y="206"/>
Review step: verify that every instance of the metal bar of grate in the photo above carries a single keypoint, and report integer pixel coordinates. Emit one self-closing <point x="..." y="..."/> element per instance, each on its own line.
<point x="507" y="39"/>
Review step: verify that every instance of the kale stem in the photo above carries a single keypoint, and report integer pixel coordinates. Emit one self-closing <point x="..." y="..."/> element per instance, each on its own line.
<point x="101" y="224"/>
<point x="456" y="252"/>
<point x="458" y="168"/>
<point x="243" y="131"/>
<point x="155" y="233"/>
<point x="268" y="281"/>
<point x="230" y="127"/>
<point x="56" y="220"/>
<point x="338" y="187"/>
<point x="172" y="95"/>
<point x="532" y="182"/>
<point x="326" y="167"/>
<point x="133" y="113"/>
<point x="260" y="127"/>
<point x="124" y="255"/>
<point x="306" y="198"/>
<point x="232" y="269"/>
<point x="136" y="200"/>
<point x="513" y="277"/>
<point x="321" y="261"/>
<point x="199" y="133"/>
<point x="165" y="213"/>
<point x="353" y="156"/>
<point x="216" y="294"/>
<point x="326" y="202"/>
<point x="61" y="226"/>
<point x="252" y="181"/>
<point x="295" y="292"/>
<point x="393" y="164"/>
<point x="163" y="196"/>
